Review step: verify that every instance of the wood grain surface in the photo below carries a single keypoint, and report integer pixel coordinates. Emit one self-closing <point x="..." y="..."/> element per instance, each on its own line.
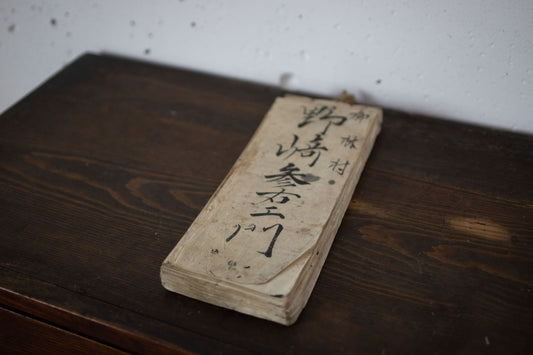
<point x="104" y="167"/>
<point x="24" y="335"/>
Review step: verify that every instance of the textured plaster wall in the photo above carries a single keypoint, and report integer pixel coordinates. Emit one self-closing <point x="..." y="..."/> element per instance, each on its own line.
<point x="462" y="60"/>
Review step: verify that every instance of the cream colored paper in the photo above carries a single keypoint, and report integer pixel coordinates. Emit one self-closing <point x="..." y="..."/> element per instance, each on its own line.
<point x="286" y="191"/>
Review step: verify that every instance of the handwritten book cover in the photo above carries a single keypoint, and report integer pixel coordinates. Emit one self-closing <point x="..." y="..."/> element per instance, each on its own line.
<point x="258" y="245"/>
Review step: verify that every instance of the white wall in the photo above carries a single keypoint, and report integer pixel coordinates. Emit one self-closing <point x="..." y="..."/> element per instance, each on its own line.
<point x="463" y="60"/>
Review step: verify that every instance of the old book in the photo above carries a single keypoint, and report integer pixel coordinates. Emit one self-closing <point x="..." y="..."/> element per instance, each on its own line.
<point x="259" y="244"/>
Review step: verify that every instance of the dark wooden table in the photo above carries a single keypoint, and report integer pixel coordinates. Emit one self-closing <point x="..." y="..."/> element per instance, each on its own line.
<point x="103" y="168"/>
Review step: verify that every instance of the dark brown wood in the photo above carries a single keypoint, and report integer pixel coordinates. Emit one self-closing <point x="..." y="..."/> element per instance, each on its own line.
<point x="22" y="335"/>
<point x="492" y="162"/>
<point x="104" y="167"/>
